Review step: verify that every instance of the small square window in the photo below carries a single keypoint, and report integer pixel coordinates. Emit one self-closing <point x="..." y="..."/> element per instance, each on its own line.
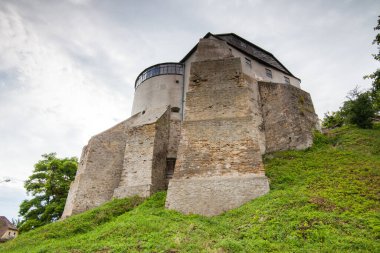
<point x="268" y="72"/>
<point x="248" y="62"/>
<point x="287" y="80"/>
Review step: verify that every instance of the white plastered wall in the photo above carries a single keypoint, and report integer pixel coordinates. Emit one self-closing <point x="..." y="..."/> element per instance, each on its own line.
<point x="158" y="91"/>
<point x="257" y="70"/>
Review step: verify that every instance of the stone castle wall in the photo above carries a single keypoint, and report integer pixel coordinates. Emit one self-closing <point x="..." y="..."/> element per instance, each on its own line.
<point x="219" y="158"/>
<point x="145" y="159"/>
<point x="125" y="160"/>
<point x="230" y="120"/>
<point x="174" y="134"/>
<point x="289" y="117"/>
<point x="99" y="170"/>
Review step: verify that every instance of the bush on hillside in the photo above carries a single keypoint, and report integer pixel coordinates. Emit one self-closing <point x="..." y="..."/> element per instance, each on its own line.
<point x="357" y="110"/>
<point x="333" y="120"/>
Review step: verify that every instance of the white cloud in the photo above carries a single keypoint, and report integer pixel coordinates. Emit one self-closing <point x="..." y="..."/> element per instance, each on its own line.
<point x="11" y="198"/>
<point x="80" y="2"/>
<point x="52" y="102"/>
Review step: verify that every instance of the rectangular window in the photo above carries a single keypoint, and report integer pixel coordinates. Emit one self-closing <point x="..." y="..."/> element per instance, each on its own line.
<point x="287" y="80"/>
<point x="268" y="72"/>
<point x="163" y="69"/>
<point x="248" y="62"/>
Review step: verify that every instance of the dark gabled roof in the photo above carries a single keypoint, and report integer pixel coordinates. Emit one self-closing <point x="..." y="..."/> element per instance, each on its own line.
<point x="5" y="224"/>
<point x="247" y="48"/>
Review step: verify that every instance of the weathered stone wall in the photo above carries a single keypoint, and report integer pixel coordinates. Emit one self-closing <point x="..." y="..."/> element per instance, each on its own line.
<point x="160" y="151"/>
<point x="145" y="158"/>
<point x="175" y="134"/>
<point x="137" y="168"/>
<point x="218" y="147"/>
<point x="99" y="171"/>
<point x="138" y="145"/>
<point x="212" y="49"/>
<point x="214" y="195"/>
<point x="219" y="141"/>
<point x="230" y="120"/>
<point x="289" y="117"/>
<point x="218" y="121"/>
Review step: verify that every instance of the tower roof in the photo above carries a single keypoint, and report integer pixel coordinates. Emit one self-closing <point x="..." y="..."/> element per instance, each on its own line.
<point x="249" y="49"/>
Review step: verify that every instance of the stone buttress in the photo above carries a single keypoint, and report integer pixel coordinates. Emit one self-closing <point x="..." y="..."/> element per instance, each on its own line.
<point x="219" y="164"/>
<point x="145" y="158"/>
<point x="289" y="117"/>
<point x="128" y="159"/>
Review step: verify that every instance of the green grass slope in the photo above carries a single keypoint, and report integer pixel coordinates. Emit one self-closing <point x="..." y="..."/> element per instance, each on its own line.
<point x="323" y="199"/>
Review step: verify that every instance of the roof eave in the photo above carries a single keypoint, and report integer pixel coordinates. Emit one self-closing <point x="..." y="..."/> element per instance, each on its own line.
<point x="253" y="45"/>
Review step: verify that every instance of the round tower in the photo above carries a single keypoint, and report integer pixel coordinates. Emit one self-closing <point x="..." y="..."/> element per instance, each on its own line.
<point x="159" y="86"/>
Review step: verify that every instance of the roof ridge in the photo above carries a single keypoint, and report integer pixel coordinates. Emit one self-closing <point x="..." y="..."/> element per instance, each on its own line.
<point x="248" y="42"/>
<point x="236" y="37"/>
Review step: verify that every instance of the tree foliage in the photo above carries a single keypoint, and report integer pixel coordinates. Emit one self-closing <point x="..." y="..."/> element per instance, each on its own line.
<point x="358" y="109"/>
<point x="48" y="185"/>
<point x="333" y="119"/>
<point x="375" y="76"/>
<point x="361" y="107"/>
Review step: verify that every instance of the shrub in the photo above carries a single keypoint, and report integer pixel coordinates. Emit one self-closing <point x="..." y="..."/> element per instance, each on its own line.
<point x="333" y="120"/>
<point x="359" y="109"/>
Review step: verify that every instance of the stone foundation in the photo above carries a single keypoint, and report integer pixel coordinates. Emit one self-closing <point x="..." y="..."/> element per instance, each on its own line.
<point x="214" y="195"/>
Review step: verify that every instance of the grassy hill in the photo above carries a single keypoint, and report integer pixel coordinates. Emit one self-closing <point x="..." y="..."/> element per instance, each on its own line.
<point x="323" y="199"/>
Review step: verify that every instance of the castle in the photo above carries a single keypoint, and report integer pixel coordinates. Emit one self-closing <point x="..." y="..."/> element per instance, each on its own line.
<point x="198" y="129"/>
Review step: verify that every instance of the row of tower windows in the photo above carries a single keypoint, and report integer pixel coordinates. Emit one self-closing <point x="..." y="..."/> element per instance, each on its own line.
<point x="160" y="69"/>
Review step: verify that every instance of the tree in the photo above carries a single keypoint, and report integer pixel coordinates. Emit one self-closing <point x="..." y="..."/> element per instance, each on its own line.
<point x="358" y="109"/>
<point x="49" y="185"/>
<point x="16" y="222"/>
<point x="375" y="76"/>
<point x="361" y="107"/>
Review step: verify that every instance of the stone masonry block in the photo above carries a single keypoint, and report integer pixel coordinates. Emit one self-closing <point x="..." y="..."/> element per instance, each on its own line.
<point x="289" y="117"/>
<point x="214" y="195"/>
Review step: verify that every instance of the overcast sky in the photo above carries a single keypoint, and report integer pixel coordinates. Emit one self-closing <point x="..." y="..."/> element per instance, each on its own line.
<point x="67" y="68"/>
